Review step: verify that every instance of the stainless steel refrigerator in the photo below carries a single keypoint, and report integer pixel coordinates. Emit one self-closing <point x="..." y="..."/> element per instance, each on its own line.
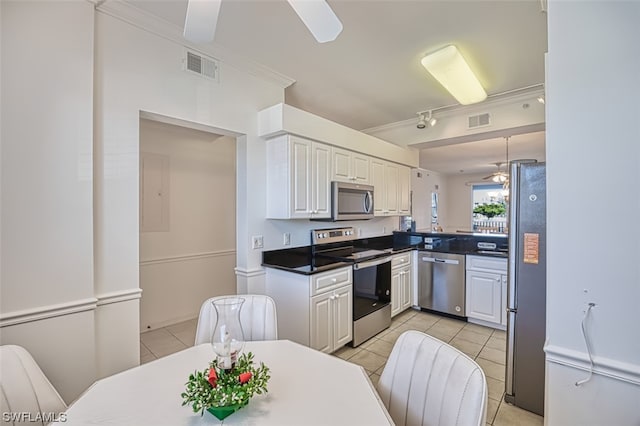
<point x="526" y="291"/>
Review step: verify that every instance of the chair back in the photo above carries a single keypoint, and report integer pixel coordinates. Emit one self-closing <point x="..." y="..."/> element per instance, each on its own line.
<point x="428" y="382"/>
<point x="24" y="387"/>
<point x="258" y="318"/>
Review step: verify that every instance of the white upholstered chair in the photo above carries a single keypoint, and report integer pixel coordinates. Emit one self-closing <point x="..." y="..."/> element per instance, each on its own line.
<point x="428" y="382"/>
<point x="23" y="386"/>
<point x="258" y="318"/>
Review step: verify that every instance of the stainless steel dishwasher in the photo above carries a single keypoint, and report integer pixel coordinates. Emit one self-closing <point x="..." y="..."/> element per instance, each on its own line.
<point x="441" y="282"/>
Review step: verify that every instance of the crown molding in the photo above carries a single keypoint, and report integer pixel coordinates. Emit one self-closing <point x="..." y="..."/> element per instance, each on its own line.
<point x="493" y="101"/>
<point x="171" y="32"/>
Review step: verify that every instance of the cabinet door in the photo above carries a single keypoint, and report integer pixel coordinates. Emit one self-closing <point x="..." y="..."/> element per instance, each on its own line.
<point x="391" y="186"/>
<point x="359" y="168"/>
<point x="396" y="290"/>
<point x="340" y="165"/>
<point x="320" y="322"/>
<point x="320" y="182"/>
<point x="484" y="296"/>
<point x="301" y="177"/>
<point x="343" y="316"/>
<point x="404" y="190"/>
<point x="379" y="188"/>
<point x="405" y="302"/>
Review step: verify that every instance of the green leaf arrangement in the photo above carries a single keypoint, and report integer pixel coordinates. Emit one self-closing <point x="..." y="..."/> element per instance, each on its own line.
<point x="490" y="210"/>
<point x="216" y="387"/>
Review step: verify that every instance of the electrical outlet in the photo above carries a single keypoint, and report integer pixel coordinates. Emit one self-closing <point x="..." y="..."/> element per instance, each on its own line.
<point x="286" y="238"/>
<point x="257" y="242"/>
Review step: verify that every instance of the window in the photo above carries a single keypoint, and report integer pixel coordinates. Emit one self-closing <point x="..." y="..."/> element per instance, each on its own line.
<point x="489" y="209"/>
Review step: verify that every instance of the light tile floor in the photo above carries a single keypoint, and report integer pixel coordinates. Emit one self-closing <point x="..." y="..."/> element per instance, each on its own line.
<point x="485" y="345"/>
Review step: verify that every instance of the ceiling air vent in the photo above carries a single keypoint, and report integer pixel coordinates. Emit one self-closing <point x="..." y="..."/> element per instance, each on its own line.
<point x="479" y="120"/>
<point x="204" y="66"/>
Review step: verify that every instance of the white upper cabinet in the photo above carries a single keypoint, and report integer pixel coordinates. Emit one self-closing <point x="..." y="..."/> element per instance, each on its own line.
<point x="404" y="190"/>
<point x="298" y="173"/>
<point x="392" y="188"/>
<point x="349" y="166"/>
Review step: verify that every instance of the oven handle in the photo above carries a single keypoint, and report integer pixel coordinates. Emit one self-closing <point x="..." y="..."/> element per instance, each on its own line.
<point x="370" y="263"/>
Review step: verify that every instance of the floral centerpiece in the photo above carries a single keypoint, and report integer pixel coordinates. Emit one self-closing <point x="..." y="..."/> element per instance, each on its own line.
<point x="222" y="392"/>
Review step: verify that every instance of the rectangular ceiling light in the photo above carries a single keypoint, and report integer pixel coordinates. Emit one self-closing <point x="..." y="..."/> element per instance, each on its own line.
<point x="451" y="70"/>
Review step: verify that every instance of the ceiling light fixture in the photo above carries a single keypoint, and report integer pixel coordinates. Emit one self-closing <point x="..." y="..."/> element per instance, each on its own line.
<point x="426" y="118"/>
<point x="451" y="70"/>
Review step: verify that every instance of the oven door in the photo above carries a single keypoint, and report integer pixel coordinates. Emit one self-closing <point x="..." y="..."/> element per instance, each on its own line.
<point x="371" y="286"/>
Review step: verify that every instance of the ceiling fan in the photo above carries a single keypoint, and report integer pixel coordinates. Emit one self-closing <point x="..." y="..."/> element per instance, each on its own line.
<point x="500" y="176"/>
<point x="202" y="18"/>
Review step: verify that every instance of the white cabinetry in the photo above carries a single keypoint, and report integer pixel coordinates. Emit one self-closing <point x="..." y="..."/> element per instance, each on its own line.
<point x="313" y="310"/>
<point x="349" y="166"/>
<point x="404" y="190"/>
<point x="392" y="188"/>
<point x="298" y="178"/>
<point x="486" y="286"/>
<point x="401" y="283"/>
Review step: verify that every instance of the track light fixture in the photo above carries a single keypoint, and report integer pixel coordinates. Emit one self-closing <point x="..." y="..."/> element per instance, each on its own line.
<point x="426" y="118"/>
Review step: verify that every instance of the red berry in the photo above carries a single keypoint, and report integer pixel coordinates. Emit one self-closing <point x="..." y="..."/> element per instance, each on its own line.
<point x="245" y="377"/>
<point x="213" y="378"/>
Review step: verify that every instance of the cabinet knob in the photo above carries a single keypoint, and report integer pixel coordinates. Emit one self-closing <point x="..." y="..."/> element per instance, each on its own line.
<point x="334" y="280"/>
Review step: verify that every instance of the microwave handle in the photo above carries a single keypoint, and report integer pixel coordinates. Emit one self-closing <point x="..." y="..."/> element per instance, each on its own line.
<point x="367" y="202"/>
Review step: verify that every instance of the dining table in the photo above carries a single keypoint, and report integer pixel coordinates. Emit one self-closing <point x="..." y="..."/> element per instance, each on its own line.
<point x="307" y="387"/>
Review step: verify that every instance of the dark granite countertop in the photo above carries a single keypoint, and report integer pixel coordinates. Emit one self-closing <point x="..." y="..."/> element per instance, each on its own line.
<point x="299" y="260"/>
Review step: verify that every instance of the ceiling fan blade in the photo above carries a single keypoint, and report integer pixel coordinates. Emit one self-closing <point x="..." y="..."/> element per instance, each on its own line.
<point x="201" y="20"/>
<point x="319" y="18"/>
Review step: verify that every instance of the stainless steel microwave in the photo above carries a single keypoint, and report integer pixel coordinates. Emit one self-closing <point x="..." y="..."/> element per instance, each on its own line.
<point x="351" y="201"/>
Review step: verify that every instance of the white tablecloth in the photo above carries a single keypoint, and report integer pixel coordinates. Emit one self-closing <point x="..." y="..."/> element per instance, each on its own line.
<point x="307" y="387"/>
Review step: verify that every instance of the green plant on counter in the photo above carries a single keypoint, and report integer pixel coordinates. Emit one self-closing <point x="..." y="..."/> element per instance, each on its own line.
<point x="490" y="210"/>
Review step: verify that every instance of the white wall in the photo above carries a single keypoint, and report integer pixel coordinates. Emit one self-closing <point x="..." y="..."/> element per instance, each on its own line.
<point x="136" y="71"/>
<point x="459" y="201"/>
<point x="195" y="258"/>
<point x="74" y="83"/>
<point x="421" y="189"/>
<point x="593" y="88"/>
<point x="47" y="298"/>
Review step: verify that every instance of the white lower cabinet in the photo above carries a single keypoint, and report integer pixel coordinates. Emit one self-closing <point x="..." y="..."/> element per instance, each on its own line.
<point x="486" y="284"/>
<point x="313" y="310"/>
<point x="400" y="283"/>
<point x="331" y="325"/>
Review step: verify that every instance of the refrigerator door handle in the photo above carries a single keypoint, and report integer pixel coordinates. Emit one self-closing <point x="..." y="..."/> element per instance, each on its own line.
<point x="514" y="249"/>
<point x="508" y="379"/>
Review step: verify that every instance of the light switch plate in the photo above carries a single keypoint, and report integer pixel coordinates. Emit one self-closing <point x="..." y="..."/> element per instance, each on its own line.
<point x="257" y="242"/>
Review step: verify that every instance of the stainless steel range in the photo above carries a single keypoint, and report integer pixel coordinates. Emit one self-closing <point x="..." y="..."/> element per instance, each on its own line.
<point x="371" y="278"/>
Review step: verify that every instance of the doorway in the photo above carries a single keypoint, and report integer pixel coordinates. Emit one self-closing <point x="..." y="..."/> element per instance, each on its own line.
<point x="187" y="244"/>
